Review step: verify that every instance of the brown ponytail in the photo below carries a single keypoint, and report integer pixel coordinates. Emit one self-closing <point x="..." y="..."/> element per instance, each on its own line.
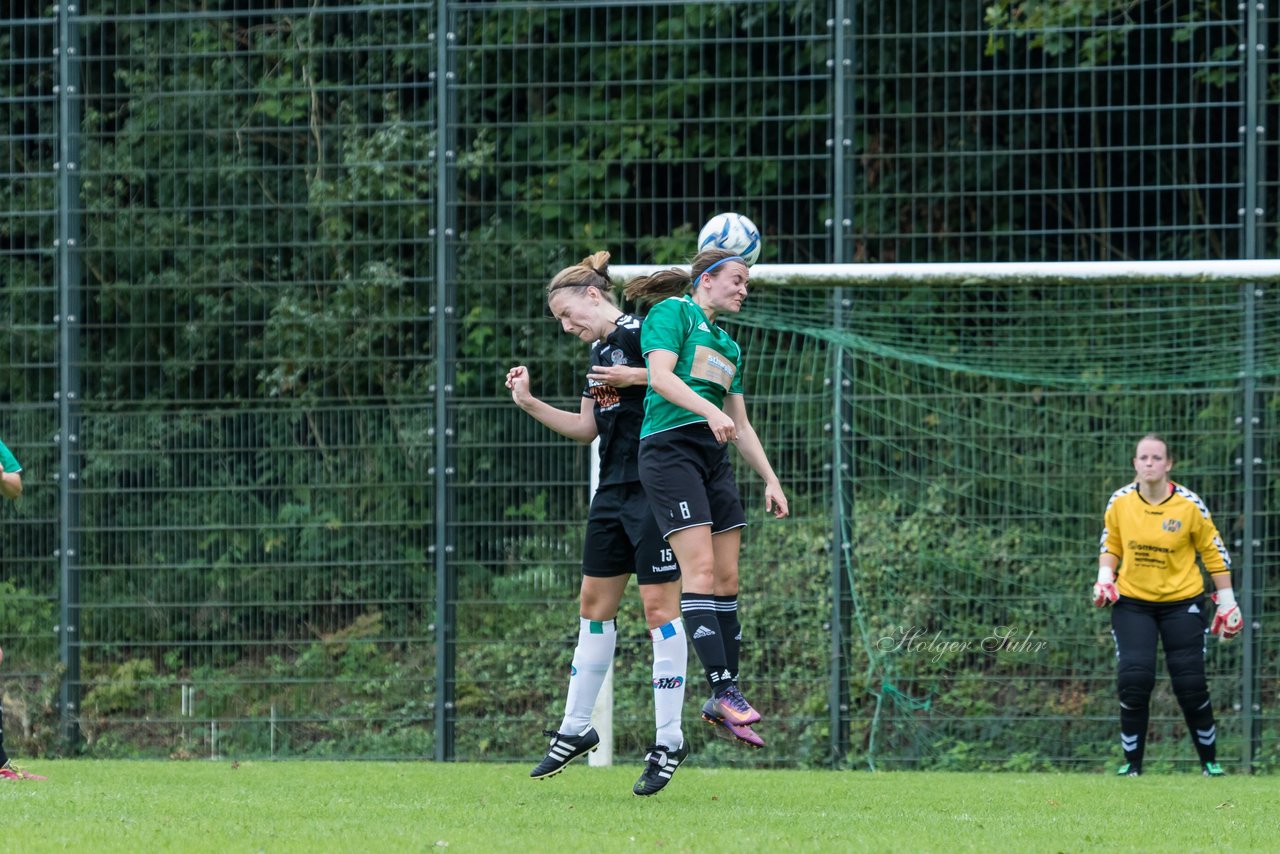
<point x="674" y="282"/>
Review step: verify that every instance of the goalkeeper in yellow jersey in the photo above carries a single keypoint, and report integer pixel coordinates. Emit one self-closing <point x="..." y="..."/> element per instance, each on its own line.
<point x="1147" y="572"/>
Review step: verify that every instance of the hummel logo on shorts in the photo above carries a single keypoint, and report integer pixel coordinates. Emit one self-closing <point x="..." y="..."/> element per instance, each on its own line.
<point x="703" y="632"/>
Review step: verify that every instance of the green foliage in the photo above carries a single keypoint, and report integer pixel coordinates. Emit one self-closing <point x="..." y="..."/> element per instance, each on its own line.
<point x="347" y="693"/>
<point x="1095" y="33"/>
<point x="30" y="676"/>
<point x="1055" y="27"/>
<point x="126" y="693"/>
<point x="24" y="614"/>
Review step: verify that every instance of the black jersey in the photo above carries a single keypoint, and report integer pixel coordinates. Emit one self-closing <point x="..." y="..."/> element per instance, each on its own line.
<point x="619" y="411"/>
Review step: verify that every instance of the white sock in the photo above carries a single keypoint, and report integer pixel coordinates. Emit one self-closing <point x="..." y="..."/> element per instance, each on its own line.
<point x="670" y="661"/>
<point x="591" y="661"/>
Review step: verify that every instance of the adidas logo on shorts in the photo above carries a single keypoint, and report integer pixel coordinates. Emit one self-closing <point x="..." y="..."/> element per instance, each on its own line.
<point x="703" y="632"/>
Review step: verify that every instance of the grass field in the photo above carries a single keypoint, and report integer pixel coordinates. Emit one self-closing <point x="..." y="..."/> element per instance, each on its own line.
<point x="103" y="806"/>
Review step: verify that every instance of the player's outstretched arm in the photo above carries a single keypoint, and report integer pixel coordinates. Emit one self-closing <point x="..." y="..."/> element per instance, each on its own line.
<point x="579" y="426"/>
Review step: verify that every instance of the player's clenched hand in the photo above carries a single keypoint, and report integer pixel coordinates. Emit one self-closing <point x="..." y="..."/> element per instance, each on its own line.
<point x="723" y="428"/>
<point x="518" y="382"/>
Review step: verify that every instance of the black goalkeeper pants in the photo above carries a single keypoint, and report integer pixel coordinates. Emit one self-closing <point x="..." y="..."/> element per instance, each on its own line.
<point x="1180" y="627"/>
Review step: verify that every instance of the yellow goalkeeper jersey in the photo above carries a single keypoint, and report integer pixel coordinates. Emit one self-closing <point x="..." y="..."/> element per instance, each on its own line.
<point x="1157" y="544"/>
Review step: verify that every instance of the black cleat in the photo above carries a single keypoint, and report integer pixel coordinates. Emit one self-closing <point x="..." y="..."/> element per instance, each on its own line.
<point x="662" y="763"/>
<point x="563" y="750"/>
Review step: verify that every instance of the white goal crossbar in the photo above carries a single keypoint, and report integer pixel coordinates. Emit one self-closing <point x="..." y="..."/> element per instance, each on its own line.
<point x="1011" y="271"/>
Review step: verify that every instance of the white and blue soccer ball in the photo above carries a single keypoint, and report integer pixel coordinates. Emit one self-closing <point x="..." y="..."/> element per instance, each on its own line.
<point x="734" y="232"/>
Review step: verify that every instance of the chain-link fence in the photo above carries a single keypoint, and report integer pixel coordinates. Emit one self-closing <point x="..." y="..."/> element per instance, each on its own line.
<point x="264" y="271"/>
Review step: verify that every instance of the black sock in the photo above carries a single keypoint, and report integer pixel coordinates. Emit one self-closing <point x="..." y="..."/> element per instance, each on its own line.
<point x="703" y="628"/>
<point x="1204" y="733"/>
<point x="730" y="631"/>
<point x="1133" y="733"/>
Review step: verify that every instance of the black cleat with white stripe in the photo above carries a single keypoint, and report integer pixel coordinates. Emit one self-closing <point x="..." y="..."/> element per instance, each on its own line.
<point x="563" y="750"/>
<point x="662" y="762"/>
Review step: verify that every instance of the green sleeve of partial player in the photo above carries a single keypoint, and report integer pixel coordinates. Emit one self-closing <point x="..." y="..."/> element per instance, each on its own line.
<point x="7" y="460"/>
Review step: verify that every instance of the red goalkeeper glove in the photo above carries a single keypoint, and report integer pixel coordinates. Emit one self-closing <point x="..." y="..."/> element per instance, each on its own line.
<point x="1227" y="620"/>
<point x="1104" y="589"/>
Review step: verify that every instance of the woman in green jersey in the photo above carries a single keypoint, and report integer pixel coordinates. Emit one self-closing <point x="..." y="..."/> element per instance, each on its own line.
<point x="694" y="409"/>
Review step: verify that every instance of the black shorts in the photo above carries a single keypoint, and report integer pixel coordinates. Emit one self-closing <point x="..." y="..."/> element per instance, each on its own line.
<point x="687" y="475"/>
<point x="622" y="537"/>
<point x="1182" y="627"/>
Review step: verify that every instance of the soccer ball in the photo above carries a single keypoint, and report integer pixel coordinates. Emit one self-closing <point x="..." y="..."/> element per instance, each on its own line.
<point x="734" y="232"/>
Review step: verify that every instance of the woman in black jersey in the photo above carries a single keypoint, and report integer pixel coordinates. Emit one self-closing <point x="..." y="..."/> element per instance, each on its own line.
<point x="622" y="536"/>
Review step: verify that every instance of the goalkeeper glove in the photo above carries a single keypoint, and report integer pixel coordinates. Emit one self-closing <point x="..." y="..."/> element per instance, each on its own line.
<point x="1104" y="589"/>
<point x="1227" y="621"/>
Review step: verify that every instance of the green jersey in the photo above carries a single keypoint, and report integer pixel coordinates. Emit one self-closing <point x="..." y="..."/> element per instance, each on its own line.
<point x="707" y="359"/>
<point x="8" y="461"/>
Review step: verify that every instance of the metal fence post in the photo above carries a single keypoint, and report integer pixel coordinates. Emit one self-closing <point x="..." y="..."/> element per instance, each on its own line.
<point x="1251" y="221"/>
<point x="445" y="347"/>
<point x="67" y="253"/>
<point x="842" y="429"/>
<point x="1250" y="708"/>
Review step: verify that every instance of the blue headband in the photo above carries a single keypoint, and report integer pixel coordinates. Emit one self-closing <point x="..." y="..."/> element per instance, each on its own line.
<point x="721" y="261"/>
